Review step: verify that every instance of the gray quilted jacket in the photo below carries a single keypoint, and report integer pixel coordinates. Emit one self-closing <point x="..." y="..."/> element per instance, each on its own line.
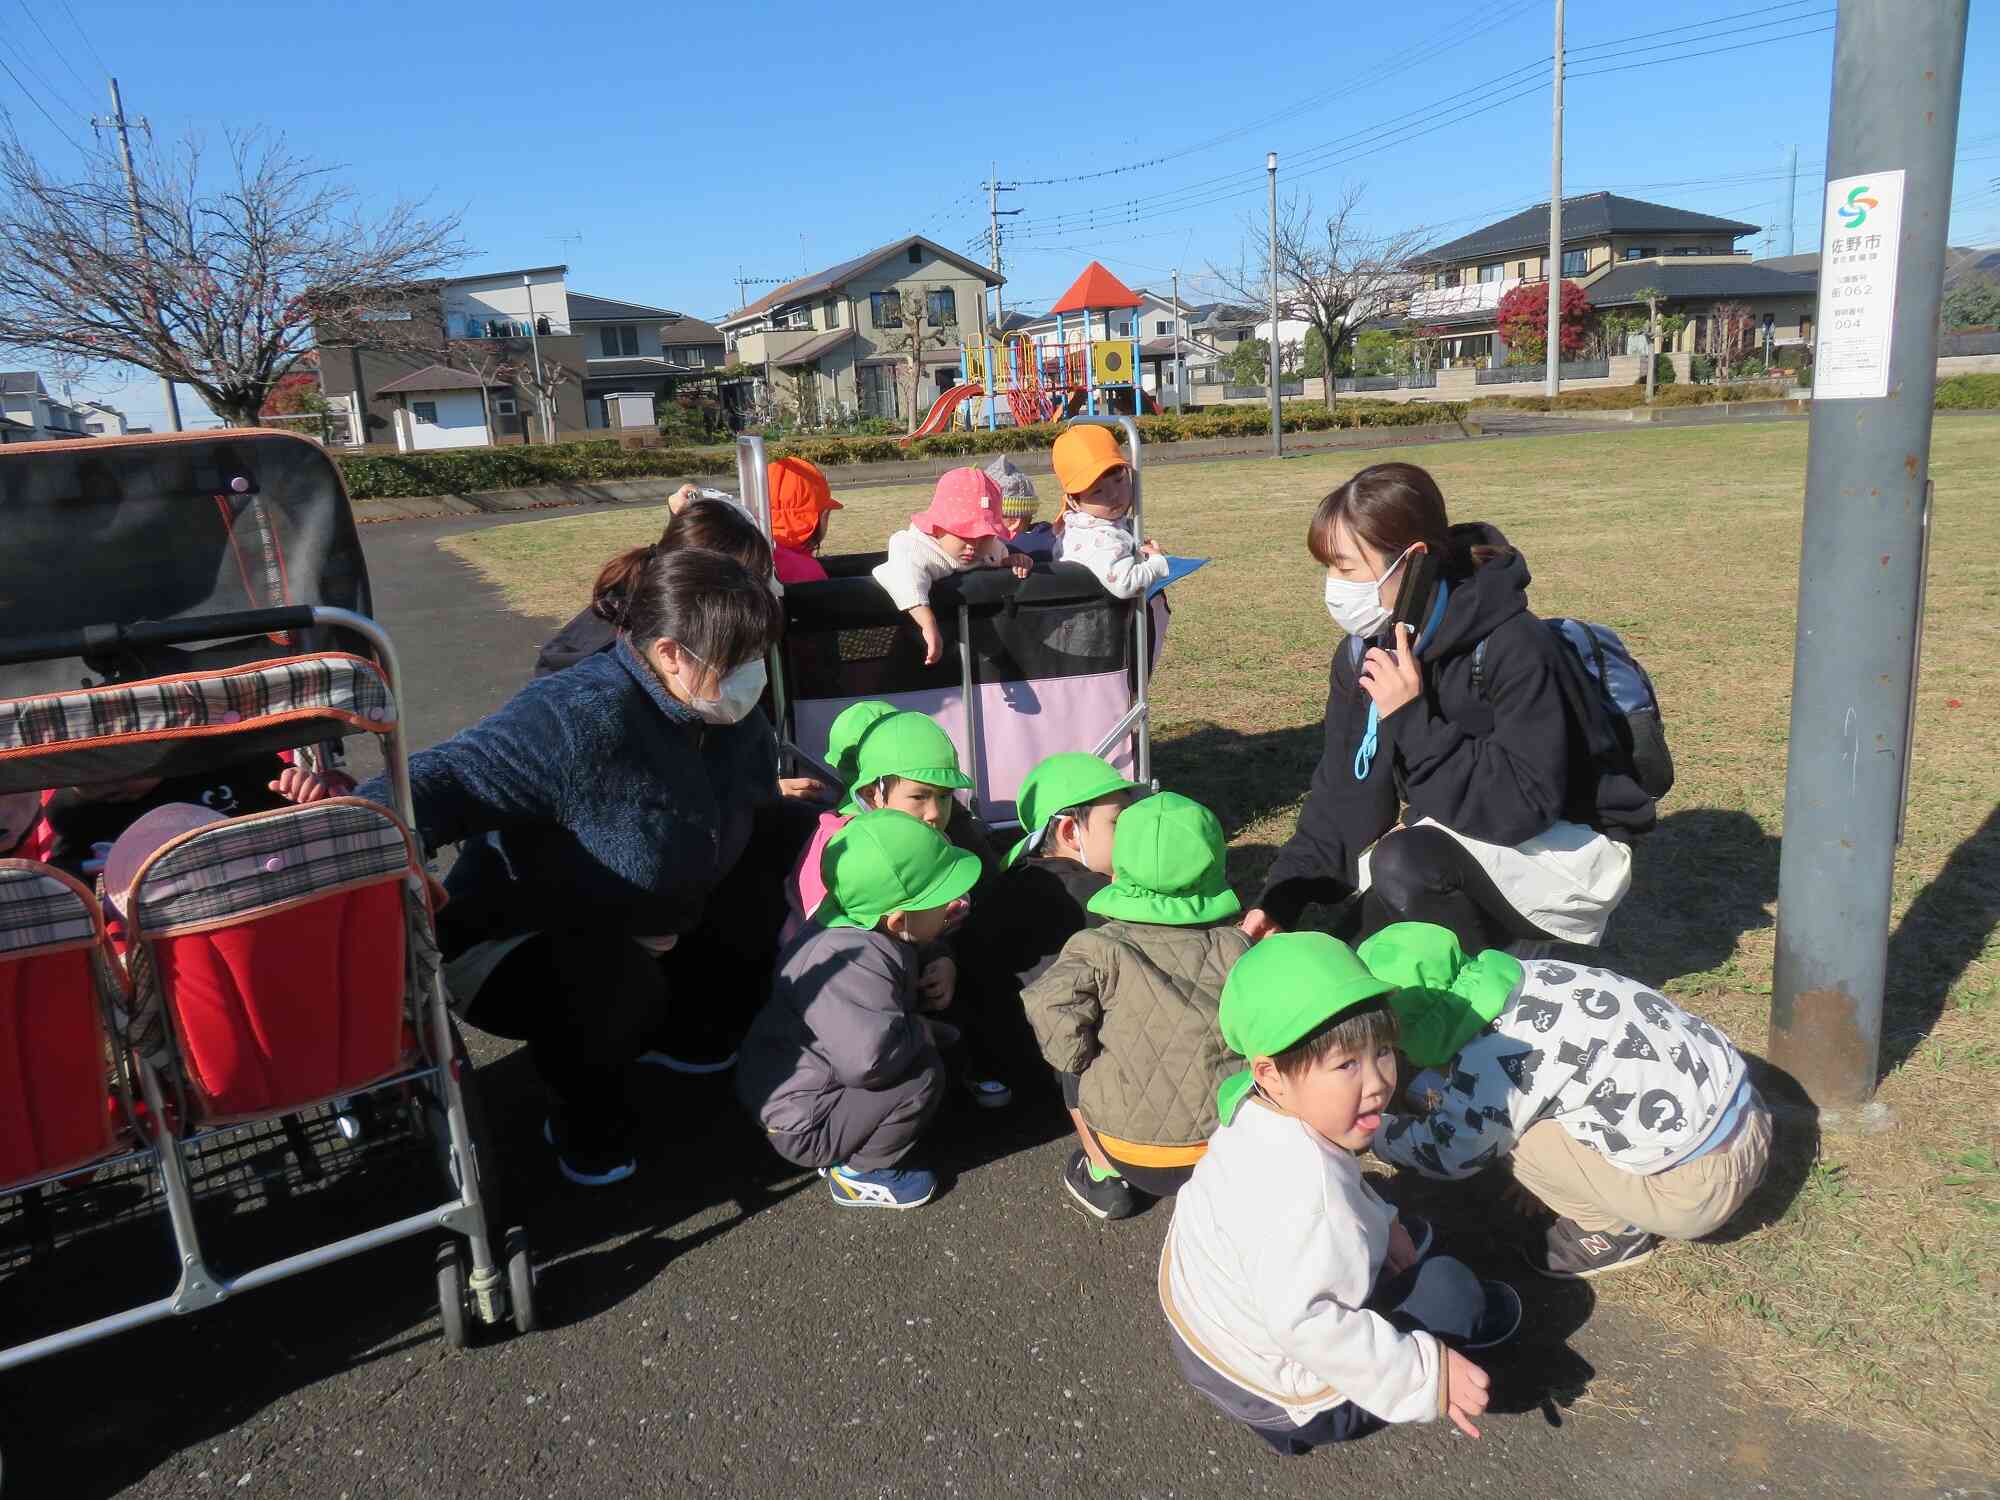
<point x="1131" y="1007"/>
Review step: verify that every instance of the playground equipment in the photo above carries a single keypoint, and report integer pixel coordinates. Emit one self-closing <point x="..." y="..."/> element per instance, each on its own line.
<point x="1081" y="369"/>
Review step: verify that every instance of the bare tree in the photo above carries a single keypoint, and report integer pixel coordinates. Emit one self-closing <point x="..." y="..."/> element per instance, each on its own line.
<point x="217" y="277"/>
<point x="909" y="339"/>
<point x="545" y="388"/>
<point x="1332" y="272"/>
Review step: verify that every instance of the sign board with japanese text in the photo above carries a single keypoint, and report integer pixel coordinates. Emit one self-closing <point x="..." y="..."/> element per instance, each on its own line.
<point x="1860" y="237"/>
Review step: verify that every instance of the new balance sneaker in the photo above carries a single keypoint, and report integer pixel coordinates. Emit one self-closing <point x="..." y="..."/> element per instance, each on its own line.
<point x="885" y="1187"/>
<point x="1573" y="1253"/>
<point x="1100" y="1197"/>
<point x="988" y="1093"/>
<point x="590" y="1166"/>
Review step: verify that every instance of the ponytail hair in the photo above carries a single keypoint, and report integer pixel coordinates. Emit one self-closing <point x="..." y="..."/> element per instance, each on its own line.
<point x="1390" y="507"/>
<point x="714" y="524"/>
<point x="705" y="601"/>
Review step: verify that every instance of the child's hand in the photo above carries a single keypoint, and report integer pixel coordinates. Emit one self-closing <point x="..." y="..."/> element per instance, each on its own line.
<point x="1402" y="1252"/>
<point x="1465" y="1391"/>
<point x="1021" y="563"/>
<point x="937" y="982"/>
<point x="1257" y="925"/>
<point x="295" y="785"/>
<point x="933" y="641"/>
<point x="679" y="499"/>
<point x="805" y="789"/>
<point x="1149" y="548"/>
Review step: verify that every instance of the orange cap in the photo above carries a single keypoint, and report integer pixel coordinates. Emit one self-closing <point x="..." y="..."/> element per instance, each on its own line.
<point x="799" y="497"/>
<point x="1082" y="455"/>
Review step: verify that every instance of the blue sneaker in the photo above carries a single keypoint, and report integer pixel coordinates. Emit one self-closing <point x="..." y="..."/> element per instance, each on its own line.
<point x="887" y="1187"/>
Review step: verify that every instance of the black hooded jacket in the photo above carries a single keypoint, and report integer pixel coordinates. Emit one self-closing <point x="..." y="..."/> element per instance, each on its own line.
<point x="1491" y="763"/>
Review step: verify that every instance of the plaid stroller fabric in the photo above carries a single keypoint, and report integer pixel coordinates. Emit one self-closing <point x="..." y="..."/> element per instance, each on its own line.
<point x="236" y="869"/>
<point x="42" y="912"/>
<point x="336" y="686"/>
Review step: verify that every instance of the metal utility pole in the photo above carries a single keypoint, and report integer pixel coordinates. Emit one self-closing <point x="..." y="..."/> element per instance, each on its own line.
<point x="1180" y="375"/>
<point x="1553" y="276"/>
<point x="1792" y="203"/>
<point x="1897" y="75"/>
<point x="1277" y="419"/>
<point x="535" y="343"/>
<point x="119" y="123"/>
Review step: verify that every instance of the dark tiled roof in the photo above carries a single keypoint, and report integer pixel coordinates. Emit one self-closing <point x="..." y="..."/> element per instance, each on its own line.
<point x="19" y="382"/>
<point x="622" y="369"/>
<point x="847" y="270"/>
<point x="1016" y="320"/>
<point x="1589" y="217"/>
<point x="1699" y="279"/>
<point x="812" y="349"/>
<point x="1793" y="263"/>
<point x="689" y="330"/>
<point x="431" y="378"/>
<point x="584" y="308"/>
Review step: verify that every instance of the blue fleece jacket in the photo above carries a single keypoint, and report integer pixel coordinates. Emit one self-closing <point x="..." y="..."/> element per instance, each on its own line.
<point x="590" y="799"/>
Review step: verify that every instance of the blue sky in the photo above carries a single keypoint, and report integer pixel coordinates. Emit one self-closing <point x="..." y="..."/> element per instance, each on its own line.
<point x="663" y="151"/>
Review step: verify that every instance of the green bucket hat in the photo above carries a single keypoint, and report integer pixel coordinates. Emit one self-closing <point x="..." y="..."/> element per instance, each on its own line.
<point x="904" y="744"/>
<point x="1166" y="866"/>
<point x="1281" y="991"/>
<point x="886" y="861"/>
<point x="1443" y="999"/>
<point x="844" y="735"/>
<point x="1064" y="780"/>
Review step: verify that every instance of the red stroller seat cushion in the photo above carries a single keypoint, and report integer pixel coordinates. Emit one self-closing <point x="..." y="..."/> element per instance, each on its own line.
<point x="282" y="1010"/>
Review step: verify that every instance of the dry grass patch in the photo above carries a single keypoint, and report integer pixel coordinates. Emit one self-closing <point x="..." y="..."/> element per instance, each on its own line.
<point x="1873" y="1294"/>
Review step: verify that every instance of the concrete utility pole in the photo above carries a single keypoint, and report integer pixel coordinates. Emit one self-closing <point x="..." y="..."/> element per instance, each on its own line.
<point x="994" y="188"/>
<point x="1553" y="276"/>
<point x="119" y="123"/>
<point x="1277" y="418"/>
<point x="1897" y="74"/>
<point x="535" y="343"/>
<point x="1180" y="375"/>
<point x="1792" y="203"/>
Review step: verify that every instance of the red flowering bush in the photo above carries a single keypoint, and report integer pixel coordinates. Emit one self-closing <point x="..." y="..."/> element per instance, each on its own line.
<point x="1524" y="319"/>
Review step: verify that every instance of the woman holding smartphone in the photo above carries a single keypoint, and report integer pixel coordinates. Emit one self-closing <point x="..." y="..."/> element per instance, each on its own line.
<point x="1453" y="788"/>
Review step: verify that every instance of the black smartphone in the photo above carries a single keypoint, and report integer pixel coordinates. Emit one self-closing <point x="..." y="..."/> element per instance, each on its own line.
<point x="1413" y="599"/>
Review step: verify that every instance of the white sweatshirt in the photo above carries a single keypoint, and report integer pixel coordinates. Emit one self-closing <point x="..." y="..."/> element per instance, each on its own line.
<point x="1111" y="552"/>
<point x="1276" y="1243"/>
<point x="915" y="562"/>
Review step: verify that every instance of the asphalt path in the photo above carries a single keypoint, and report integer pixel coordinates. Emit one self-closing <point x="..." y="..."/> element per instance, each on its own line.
<point x="717" y="1327"/>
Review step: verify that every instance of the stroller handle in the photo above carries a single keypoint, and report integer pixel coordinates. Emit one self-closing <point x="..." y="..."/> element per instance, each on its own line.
<point x="94" y="640"/>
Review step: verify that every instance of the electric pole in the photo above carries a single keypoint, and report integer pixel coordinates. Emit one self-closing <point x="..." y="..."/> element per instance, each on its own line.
<point x="1553" y="278"/>
<point x="535" y="343"/>
<point x="119" y="123"/>
<point x="1792" y="204"/>
<point x="994" y="188"/>
<point x="1898" y="72"/>
<point x="1277" y="417"/>
<point x="1180" y="378"/>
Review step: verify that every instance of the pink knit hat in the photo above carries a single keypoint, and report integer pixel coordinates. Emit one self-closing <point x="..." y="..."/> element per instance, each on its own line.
<point x="965" y="503"/>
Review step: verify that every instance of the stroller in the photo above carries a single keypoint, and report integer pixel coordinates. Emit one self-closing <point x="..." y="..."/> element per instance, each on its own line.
<point x="228" y="1071"/>
<point x="1031" y="666"/>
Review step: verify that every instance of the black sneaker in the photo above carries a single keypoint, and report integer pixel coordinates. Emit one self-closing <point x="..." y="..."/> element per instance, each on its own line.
<point x="1572" y="1253"/>
<point x="1113" y="1198"/>
<point x="590" y="1166"/>
<point x="1500" y="1320"/>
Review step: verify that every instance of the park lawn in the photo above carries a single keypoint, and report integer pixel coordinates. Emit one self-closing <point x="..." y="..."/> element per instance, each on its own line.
<point x="1874" y="1297"/>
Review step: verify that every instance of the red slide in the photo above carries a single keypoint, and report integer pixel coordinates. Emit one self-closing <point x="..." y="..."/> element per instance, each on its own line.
<point x="940" y="416"/>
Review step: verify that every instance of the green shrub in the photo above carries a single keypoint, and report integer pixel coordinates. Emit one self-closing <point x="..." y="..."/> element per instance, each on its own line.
<point x="1701" y="369"/>
<point x="1968" y="392"/>
<point x="1663" y="371"/>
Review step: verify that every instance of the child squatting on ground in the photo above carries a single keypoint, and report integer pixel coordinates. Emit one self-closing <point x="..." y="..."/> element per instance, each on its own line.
<point x="1097" y="498"/>
<point x="841" y="1066"/>
<point x="1298" y="1303"/>
<point x="1629" y="1118"/>
<point x="1126" y="1013"/>
<point x="961" y="529"/>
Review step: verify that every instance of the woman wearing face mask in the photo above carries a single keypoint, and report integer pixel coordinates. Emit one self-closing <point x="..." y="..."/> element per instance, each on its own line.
<point x="1445" y="792"/>
<point x="598" y="810"/>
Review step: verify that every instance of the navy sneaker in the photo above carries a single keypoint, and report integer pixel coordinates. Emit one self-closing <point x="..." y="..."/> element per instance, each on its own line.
<point x="1500" y="1320"/>
<point x="885" y="1187"/>
<point x="1573" y="1253"/>
<point x="587" y="1166"/>
<point x="1100" y="1197"/>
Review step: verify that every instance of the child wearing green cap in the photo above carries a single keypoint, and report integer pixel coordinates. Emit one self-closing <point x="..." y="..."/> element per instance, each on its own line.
<point x="1631" y="1119"/>
<point x="1126" y="1013"/>
<point x="1298" y="1302"/>
<point x="841" y="1066"/>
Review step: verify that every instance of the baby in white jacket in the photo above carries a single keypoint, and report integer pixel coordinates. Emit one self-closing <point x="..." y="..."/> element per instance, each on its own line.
<point x="1097" y="500"/>
<point x="962" y="529"/>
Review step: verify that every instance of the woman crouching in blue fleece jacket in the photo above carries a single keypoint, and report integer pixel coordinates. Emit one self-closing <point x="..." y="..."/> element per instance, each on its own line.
<point x="598" y="810"/>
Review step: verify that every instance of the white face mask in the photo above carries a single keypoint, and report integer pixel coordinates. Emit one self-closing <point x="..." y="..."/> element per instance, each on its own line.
<point x="1357" y="607"/>
<point x="737" y="693"/>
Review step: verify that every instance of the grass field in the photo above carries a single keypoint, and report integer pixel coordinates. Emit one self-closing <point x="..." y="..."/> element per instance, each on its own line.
<point x="1873" y="1295"/>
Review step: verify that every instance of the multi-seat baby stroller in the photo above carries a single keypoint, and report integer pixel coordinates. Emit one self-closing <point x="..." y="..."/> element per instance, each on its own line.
<point x="252" y="1072"/>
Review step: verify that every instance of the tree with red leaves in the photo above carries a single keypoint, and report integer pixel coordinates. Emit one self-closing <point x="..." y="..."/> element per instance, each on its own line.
<point x="1524" y="320"/>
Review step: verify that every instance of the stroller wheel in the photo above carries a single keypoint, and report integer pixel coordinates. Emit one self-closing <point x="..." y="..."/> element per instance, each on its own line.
<point x="453" y="1311"/>
<point x="521" y="1282"/>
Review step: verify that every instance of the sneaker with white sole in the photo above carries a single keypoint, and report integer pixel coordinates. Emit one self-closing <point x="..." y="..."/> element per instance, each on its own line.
<point x="695" y="1065"/>
<point x="885" y="1187"/>
<point x="988" y="1093"/>
<point x="1573" y="1253"/>
<point x="590" y="1168"/>
<point x="1100" y="1197"/>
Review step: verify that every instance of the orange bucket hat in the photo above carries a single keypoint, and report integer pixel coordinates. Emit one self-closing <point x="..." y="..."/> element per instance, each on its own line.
<point x="800" y="495"/>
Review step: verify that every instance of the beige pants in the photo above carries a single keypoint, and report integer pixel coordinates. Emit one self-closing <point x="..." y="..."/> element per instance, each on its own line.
<point x="1682" y="1203"/>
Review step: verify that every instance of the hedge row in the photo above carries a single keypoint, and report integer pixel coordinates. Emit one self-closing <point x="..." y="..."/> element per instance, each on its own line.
<point x="1622" y="397"/>
<point x="465" y="470"/>
<point x="1968" y="392"/>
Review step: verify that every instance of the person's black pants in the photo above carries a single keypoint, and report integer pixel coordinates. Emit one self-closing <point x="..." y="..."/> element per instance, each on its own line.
<point x="1426" y="875"/>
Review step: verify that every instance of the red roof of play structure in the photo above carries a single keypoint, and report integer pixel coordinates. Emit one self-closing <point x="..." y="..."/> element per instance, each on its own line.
<point x="1095" y="288"/>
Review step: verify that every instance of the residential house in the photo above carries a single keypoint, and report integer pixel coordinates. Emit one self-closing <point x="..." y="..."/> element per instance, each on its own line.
<point x="12" y="431"/>
<point x="101" y="420"/>
<point x="1612" y="246"/>
<point x="1220" y="326"/>
<point x="25" y="401"/>
<point x="632" y="349"/>
<point x="1152" y="316"/>
<point x="834" y="342"/>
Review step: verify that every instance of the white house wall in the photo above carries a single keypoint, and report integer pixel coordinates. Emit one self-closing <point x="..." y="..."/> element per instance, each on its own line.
<point x="503" y="296"/>
<point x="461" y="421"/>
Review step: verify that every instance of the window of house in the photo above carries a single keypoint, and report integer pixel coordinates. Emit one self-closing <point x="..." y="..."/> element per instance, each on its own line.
<point x="1440" y="280"/>
<point x="1163" y="327"/>
<point x="941" y="307"/>
<point x="1490" y="272"/>
<point x="885" y="310"/>
<point x="425" y="411"/>
<point x="1688" y="250"/>
<point x="618" y="339"/>
<point x="829" y="313"/>
<point x="1124" y="330"/>
<point x="916" y="255"/>
<point x="1575" y="262"/>
<point x="1638" y="252"/>
<point x="1520" y="270"/>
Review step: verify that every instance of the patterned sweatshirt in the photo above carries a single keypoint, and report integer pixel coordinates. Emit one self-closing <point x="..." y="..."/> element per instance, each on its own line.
<point x="915" y="562"/>
<point x="1622" y="1069"/>
<point x="1110" y="551"/>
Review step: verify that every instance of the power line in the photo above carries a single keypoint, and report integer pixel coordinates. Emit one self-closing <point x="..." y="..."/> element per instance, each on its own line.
<point x="1711" y="52"/>
<point x="27" y="94"/>
<point x="78" y="27"/>
<point x="1791" y="5"/>
<point x="61" y="57"/>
